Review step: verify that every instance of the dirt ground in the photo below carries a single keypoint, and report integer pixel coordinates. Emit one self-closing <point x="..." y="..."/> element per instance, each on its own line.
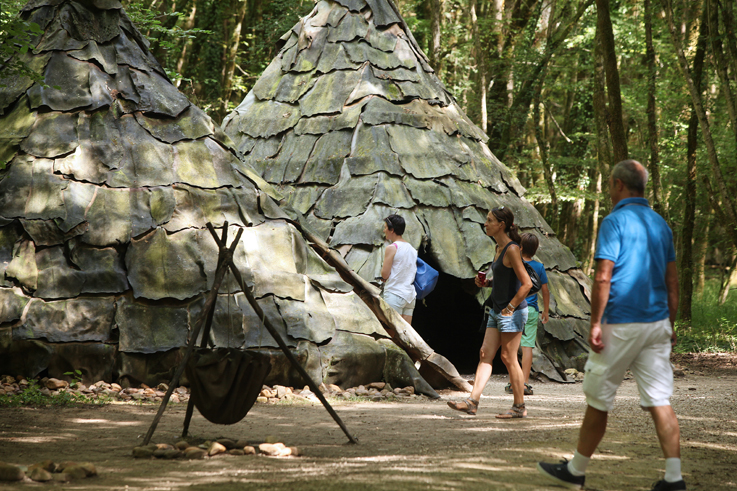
<point x="418" y="444"/>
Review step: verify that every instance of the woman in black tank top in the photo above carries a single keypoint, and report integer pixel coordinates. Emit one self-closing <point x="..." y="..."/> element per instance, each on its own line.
<point x="510" y="284"/>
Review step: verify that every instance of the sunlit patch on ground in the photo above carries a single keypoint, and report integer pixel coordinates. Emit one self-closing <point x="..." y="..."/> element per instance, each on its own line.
<point x="404" y="446"/>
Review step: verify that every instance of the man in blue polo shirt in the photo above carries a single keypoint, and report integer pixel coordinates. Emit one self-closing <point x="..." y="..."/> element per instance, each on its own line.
<point x="633" y="307"/>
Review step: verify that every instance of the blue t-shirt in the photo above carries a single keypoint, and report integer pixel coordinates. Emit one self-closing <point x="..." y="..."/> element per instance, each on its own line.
<point x="640" y="244"/>
<point x="540" y="270"/>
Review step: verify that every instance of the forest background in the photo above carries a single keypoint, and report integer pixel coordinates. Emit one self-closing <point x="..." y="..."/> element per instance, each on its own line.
<point x="563" y="88"/>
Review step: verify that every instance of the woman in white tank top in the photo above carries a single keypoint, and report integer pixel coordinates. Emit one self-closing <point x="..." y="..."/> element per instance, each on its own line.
<point x="399" y="269"/>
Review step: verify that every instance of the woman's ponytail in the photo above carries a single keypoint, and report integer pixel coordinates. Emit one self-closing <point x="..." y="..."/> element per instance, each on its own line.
<point x="513" y="233"/>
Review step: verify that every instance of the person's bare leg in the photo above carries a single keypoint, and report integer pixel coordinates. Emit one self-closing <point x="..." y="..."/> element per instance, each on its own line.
<point x="489" y="347"/>
<point x="669" y="433"/>
<point x="408" y="318"/>
<point x="592" y="431"/>
<point x="526" y="362"/>
<point x="510" y="345"/>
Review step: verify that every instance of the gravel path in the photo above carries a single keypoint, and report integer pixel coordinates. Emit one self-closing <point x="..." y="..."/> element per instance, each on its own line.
<point x="408" y="445"/>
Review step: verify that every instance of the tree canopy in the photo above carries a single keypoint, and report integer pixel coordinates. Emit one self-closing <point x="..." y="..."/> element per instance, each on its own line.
<point x="563" y="89"/>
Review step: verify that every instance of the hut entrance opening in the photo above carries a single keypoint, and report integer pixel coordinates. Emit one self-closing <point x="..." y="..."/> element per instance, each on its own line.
<point x="449" y="320"/>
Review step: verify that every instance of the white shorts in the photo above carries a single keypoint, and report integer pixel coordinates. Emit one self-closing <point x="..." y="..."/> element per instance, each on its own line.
<point x="399" y="304"/>
<point x="644" y="348"/>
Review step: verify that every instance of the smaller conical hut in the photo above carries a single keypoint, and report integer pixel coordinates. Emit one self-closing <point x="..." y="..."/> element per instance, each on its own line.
<point x="108" y="177"/>
<point x="351" y="124"/>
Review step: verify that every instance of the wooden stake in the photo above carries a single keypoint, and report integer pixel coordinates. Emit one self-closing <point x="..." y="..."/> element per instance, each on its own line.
<point x="282" y="345"/>
<point x="225" y="261"/>
<point x="209" y="305"/>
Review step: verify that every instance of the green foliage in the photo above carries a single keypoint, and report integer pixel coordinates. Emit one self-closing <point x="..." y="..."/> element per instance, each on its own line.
<point x="161" y="28"/>
<point x="165" y="31"/>
<point x="713" y="327"/>
<point x="260" y="42"/>
<point x="32" y="395"/>
<point x="76" y="376"/>
<point x="15" y="40"/>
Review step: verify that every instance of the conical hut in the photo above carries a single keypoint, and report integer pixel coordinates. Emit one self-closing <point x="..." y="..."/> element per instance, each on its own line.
<point x="108" y="177"/>
<point x="350" y="123"/>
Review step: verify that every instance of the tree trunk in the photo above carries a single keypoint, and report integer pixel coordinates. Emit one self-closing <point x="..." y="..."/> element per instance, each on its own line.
<point x="542" y="145"/>
<point x="616" y="122"/>
<point x="573" y="219"/>
<point x="727" y="209"/>
<point x="235" y="40"/>
<point x="479" y="55"/>
<point x="603" y="143"/>
<point x="594" y="228"/>
<point x="436" y="14"/>
<point x="227" y="32"/>
<point x="729" y="35"/>
<point x="499" y="67"/>
<point x="184" y="56"/>
<point x="720" y="63"/>
<point x="566" y="210"/>
<point x="686" y="266"/>
<point x="652" y="117"/>
<point x="497" y="37"/>
<point x="730" y="276"/>
<point x="700" y="250"/>
<point x="571" y="92"/>
<point x="603" y="148"/>
<point x="517" y="114"/>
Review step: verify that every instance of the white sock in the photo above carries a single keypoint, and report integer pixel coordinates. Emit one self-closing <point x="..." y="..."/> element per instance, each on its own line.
<point x="577" y="465"/>
<point x="673" y="470"/>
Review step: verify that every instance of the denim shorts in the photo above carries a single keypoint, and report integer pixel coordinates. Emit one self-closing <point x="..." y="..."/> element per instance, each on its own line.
<point x="513" y="323"/>
<point x="399" y="304"/>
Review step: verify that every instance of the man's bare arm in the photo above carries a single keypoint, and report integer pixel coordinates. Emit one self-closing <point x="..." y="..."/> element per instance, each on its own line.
<point x="599" y="299"/>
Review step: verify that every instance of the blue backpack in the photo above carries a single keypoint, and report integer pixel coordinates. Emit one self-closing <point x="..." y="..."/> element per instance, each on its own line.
<point x="425" y="279"/>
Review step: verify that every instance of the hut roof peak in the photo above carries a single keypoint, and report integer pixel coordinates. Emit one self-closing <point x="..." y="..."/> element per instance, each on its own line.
<point x="108" y="183"/>
<point x="350" y="122"/>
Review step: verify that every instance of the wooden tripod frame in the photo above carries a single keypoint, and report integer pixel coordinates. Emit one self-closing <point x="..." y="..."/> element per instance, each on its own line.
<point x="225" y="262"/>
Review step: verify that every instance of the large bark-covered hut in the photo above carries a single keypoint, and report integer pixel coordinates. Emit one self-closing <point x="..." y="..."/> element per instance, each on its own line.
<point x="350" y="123"/>
<point x="108" y="176"/>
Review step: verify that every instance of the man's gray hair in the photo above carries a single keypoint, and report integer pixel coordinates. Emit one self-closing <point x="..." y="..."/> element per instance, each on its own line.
<point x="632" y="174"/>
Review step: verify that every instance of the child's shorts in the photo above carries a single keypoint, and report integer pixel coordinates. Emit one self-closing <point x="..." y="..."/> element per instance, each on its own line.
<point x="530" y="334"/>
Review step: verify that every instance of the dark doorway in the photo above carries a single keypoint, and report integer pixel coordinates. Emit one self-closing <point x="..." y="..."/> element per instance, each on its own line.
<point x="449" y="320"/>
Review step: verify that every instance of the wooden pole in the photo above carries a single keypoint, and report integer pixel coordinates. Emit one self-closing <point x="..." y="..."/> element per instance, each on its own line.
<point x="209" y="305"/>
<point x="401" y="332"/>
<point x="282" y="345"/>
<point x="222" y="251"/>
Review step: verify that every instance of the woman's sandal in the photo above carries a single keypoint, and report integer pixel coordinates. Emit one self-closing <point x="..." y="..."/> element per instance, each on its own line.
<point x="517" y="411"/>
<point x="468" y="406"/>
<point x="528" y="389"/>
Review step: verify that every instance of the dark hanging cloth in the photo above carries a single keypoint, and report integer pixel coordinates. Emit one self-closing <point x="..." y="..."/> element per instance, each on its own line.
<point x="225" y="382"/>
